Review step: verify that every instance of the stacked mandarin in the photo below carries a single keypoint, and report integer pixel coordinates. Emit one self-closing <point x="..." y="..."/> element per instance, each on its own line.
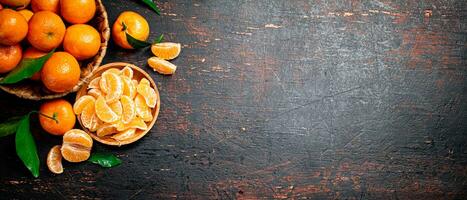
<point x="36" y="27"/>
<point x="117" y="105"/>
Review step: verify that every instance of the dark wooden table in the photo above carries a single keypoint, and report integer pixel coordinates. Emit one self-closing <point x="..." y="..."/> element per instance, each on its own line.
<point x="285" y="99"/>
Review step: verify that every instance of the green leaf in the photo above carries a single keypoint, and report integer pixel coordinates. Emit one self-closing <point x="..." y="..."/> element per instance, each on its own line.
<point x="25" y="69"/>
<point x="151" y="4"/>
<point x="9" y="127"/>
<point x="135" y="43"/>
<point x="159" y="39"/>
<point x="26" y="147"/>
<point x="104" y="159"/>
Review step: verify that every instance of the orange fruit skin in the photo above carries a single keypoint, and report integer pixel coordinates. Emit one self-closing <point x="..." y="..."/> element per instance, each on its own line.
<point x="137" y="27"/>
<point x="46" y="30"/>
<point x="61" y="72"/>
<point x="27" y="14"/>
<point x="48" y="5"/>
<point x="15" y="3"/>
<point x="65" y="116"/>
<point x="32" y="52"/>
<point x="77" y="11"/>
<point x="10" y="56"/>
<point x="13" y="27"/>
<point x="82" y="41"/>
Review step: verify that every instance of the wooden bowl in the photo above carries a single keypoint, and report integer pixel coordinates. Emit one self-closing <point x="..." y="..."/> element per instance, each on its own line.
<point x="35" y="90"/>
<point x="138" y="74"/>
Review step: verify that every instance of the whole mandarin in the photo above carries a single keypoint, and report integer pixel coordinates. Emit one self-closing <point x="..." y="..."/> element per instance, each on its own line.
<point x="82" y="41"/>
<point x="77" y="11"/>
<point x="13" y="27"/>
<point x="48" y="5"/>
<point x="65" y="116"/>
<point x="136" y="26"/>
<point x="60" y="72"/>
<point x="10" y="56"/>
<point x="46" y="30"/>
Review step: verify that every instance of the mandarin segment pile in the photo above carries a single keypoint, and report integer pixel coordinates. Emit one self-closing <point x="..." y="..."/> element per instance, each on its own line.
<point x="116" y="104"/>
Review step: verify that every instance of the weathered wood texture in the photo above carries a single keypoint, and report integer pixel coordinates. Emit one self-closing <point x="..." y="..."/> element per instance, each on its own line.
<point x="286" y="99"/>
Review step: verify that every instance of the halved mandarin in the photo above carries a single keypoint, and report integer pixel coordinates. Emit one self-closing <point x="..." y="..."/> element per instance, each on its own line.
<point x="82" y="102"/>
<point x="54" y="160"/>
<point x="128" y="108"/>
<point x="104" y="112"/>
<point x="166" y="50"/>
<point x="76" y="146"/>
<point x="114" y="87"/>
<point x="142" y="110"/>
<point x="149" y="94"/>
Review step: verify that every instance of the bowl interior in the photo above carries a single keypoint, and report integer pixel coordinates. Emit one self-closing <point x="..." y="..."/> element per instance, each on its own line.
<point x="138" y="74"/>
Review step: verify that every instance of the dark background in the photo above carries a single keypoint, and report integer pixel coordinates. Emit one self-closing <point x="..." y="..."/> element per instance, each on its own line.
<point x="284" y="99"/>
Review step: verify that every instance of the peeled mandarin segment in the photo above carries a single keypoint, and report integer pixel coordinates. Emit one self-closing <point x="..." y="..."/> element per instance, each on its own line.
<point x="95" y="93"/>
<point x="106" y="129"/>
<point x="128" y="88"/>
<point x="135" y="85"/>
<point x="162" y="66"/>
<point x="127" y="71"/>
<point x="166" y="50"/>
<point x="149" y="94"/>
<point x="82" y="102"/>
<point x="76" y="146"/>
<point x="54" y="160"/>
<point x="112" y="71"/>
<point x="104" y="112"/>
<point x="124" y="134"/>
<point x="129" y="111"/>
<point x="136" y="123"/>
<point x="142" y="110"/>
<point x="95" y="122"/>
<point x="87" y="115"/>
<point x="94" y="83"/>
<point x="116" y="107"/>
<point x="114" y="87"/>
<point x="103" y="85"/>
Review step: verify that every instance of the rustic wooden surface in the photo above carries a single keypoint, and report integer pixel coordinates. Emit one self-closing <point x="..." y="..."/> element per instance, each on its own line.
<point x="285" y="99"/>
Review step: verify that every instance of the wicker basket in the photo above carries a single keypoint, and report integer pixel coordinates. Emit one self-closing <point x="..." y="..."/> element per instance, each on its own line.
<point x="35" y="90"/>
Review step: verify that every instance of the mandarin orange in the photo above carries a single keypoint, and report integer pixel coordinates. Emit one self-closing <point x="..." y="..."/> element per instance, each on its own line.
<point x="61" y="72"/>
<point x="136" y="26"/>
<point x="46" y="30"/>
<point x="82" y="41"/>
<point x="48" y="5"/>
<point x="65" y="116"/>
<point x="13" y="27"/>
<point x="77" y="11"/>
<point x="10" y="56"/>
